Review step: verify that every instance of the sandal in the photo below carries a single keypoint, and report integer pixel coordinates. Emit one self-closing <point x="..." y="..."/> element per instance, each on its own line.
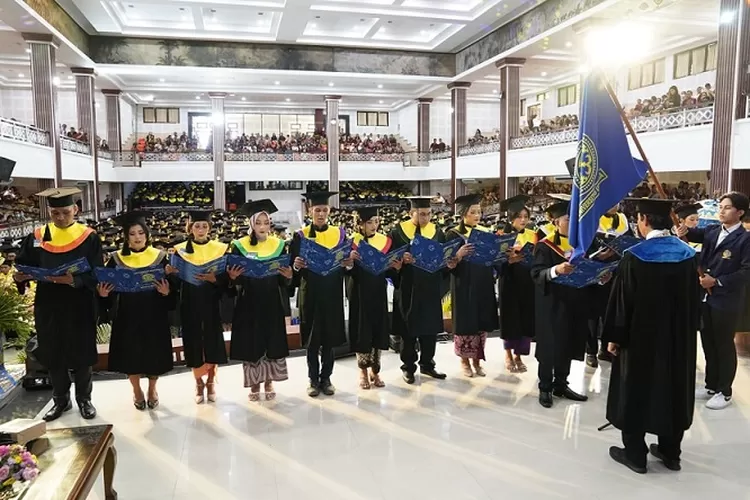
<point x="479" y="371"/>
<point x="375" y="379"/>
<point x="364" y="383"/>
<point x="153" y="402"/>
<point x="510" y="365"/>
<point x="210" y="392"/>
<point x="467" y="371"/>
<point x="139" y="405"/>
<point x="520" y="366"/>
<point x="199" y="388"/>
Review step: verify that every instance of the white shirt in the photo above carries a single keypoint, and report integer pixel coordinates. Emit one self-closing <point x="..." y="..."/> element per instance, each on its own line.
<point x="657" y="233"/>
<point x="726" y="231"/>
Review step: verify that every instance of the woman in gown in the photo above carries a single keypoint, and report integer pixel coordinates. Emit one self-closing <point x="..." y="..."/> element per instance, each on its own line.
<point x="369" y="330"/>
<point x="200" y="316"/>
<point x="141" y="344"/>
<point x="473" y="301"/>
<point x="516" y="288"/>
<point x="259" y="326"/>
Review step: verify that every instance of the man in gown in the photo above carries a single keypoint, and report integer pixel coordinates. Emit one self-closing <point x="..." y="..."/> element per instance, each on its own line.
<point x="417" y="302"/>
<point x="650" y="327"/>
<point x="320" y="298"/>
<point x="64" y="306"/>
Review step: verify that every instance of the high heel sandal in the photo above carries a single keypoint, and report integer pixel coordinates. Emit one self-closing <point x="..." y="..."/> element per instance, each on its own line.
<point x="510" y="365"/>
<point x="139" y="405"/>
<point x="479" y="371"/>
<point x="270" y="395"/>
<point x="364" y="383"/>
<point x="153" y="403"/>
<point x="375" y="379"/>
<point x="199" y="388"/>
<point x="210" y="392"/>
<point x="467" y="371"/>
<point x="520" y="366"/>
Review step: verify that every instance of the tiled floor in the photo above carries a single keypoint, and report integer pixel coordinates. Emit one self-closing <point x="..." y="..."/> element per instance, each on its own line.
<point x="483" y="438"/>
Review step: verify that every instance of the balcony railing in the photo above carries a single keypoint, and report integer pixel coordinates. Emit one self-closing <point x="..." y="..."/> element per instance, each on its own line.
<point x="17" y="131"/>
<point x="392" y="157"/>
<point x="685" y="117"/>
<point x="478" y="149"/>
<point x="74" y="146"/>
<point x="275" y="157"/>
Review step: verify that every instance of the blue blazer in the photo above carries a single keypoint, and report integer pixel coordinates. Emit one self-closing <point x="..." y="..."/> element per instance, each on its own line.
<point x="729" y="263"/>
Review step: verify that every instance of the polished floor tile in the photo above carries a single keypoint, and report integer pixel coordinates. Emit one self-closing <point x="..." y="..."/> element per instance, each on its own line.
<point x="479" y="439"/>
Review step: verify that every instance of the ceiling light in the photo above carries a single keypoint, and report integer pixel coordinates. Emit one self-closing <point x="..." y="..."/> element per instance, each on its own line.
<point x="380" y="85"/>
<point x="616" y="46"/>
<point x="544" y="73"/>
<point x="96" y="105"/>
<point x="494" y="91"/>
<point x="218" y="81"/>
<point x="244" y="99"/>
<point x="287" y="99"/>
<point x="28" y="51"/>
<point x="569" y="44"/>
<point x="313" y="25"/>
<point x="56" y="80"/>
<point x="330" y="84"/>
<point x="423" y="32"/>
<point x="260" y="13"/>
<point x="277" y="82"/>
<point x="381" y="102"/>
<point x="70" y="77"/>
<point x="161" y="80"/>
<point x="259" y="22"/>
<point x="20" y="75"/>
<point x="726" y="17"/>
<point x="583" y="69"/>
<point x="198" y="97"/>
<point x="382" y="30"/>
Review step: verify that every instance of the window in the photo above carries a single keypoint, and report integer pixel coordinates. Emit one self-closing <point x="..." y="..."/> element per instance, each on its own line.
<point x="644" y="75"/>
<point x="567" y="95"/>
<point x="161" y="115"/>
<point x="542" y="97"/>
<point x="523" y="107"/>
<point x="695" y="61"/>
<point x="372" y="119"/>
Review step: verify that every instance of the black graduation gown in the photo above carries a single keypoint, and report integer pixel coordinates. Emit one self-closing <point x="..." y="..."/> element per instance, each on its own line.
<point x="517" y="293"/>
<point x="320" y="301"/>
<point x="259" y="324"/>
<point x="653" y="315"/>
<point x="368" y="307"/>
<point x="65" y="317"/>
<point x="560" y="319"/>
<point x="473" y="301"/>
<point x="417" y="300"/>
<point x="200" y="317"/>
<point x="141" y="342"/>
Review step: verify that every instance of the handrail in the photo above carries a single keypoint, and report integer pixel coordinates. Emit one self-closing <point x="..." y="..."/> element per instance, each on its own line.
<point x="17" y="131"/>
<point x="74" y="145"/>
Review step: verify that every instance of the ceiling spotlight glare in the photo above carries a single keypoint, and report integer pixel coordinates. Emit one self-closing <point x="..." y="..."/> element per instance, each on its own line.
<point x="380" y="85"/>
<point x="277" y="82"/>
<point x="56" y="81"/>
<point x="244" y="99"/>
<point x="198" y="97"/>
<point x="161" y="80"/>
<point x="287" y="99"/>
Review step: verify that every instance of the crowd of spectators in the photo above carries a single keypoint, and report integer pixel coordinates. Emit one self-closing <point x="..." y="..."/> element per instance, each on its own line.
<point x="673" y="100"/>
<point x="535" y="125"/>
<point x="16" y="208"/>
<point x="171" y="144"/>
<point x="369" y="144"/>
<point x="293" y="143"/>
<point x="82" y="136"/>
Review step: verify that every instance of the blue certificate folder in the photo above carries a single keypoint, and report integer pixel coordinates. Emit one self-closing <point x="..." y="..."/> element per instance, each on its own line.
<point x="129" y="280"/>
<point x="587" y="272"/>
<point x="189" y="272"/>
<point x="257" y="268"/>
<point x="321" y="260"/>
<point x="77" y="266"/>
<point x="432" y="256"/>
<point x="376" y="262"/>
<point x="489" y="248"/>
<point x="621" y="243"/>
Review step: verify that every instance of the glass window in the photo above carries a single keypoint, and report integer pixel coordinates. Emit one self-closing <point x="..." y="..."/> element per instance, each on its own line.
<point x="542" y="97"/>
<point x="253" y="124"/>
<point x="647" y="75"/>
<point x="173" y="115"/>
<point x="634" y="78"/>
<point x="711" y="57"/>
<point x="659" y="71"/>
<point x="361" y="119"/>
<point x="682" y="64"/>
<point x="271" y="124"/>
<point x="698" y="61"/>
<point x="566" y="96"/>
<point x="149" y="115"/>
<point x="383" y="119"/>
<point x="523" y="107"/>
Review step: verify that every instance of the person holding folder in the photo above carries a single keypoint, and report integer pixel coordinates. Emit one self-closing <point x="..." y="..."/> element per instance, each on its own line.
<point x="262" y="304"/>
<point x="64" y="306"/>
<point x="561" y="317"/>
<point x="320" y="298"/>
<point x="141" y="343"/>
<point x="473" y="301"/>
<point x="369" y="330"/>
<point x="417" y="301"/>
<point x="200" y="317"/>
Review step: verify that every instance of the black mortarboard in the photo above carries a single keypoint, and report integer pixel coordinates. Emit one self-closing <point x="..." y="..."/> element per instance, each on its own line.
<point x="570" y="164"/>
<point x="653" y="206"/>
<point x="688" y="209"/>
<point x="316" y="198"/>
<point x="559" y="208"/>
<point x="59" y="197"/>
<point x="279" y="228"/>
<point x="367" y="213"/>
<point x="6" y="168"/>
<point x="8" y="248"/>
<point x="127" y="219"/>
<point x="464" y="203"/>
<point x="253" y="207"/>
<point x="109" y="248"/>
<point x="514" y="204"/>
<point x="420" y="202"/>
<point x="200" y="215"/>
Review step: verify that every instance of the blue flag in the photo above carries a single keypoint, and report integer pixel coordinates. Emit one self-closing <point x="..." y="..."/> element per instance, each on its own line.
<point x="605" y="171"/>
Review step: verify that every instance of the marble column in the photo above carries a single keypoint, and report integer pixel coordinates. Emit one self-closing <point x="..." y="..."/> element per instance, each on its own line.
<point x="332" y="139"/>
<point x="733" y="57"/>
<point x="114" y="124"/>
<point x="423" y="124"/>
<point x="219" y="125"/>
<point x="86" y="114"/>
<point x="458" y="128"/>
<point x="510" y="117"/>
<point x="44" y="94"/>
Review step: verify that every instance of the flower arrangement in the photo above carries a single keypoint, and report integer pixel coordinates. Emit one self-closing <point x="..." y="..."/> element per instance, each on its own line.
<point x="16" y="313"/>
<point x="17" y="466"/>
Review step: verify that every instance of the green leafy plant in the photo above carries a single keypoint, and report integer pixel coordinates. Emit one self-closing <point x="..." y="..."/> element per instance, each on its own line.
<point x="103" y="333"/>
<point x="16" y="315"/>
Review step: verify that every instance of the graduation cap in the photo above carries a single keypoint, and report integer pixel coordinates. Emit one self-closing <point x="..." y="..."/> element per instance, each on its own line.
<point x="6" y="168"/>
<point x="110" y="248"/>
<point x="317" y="198"/>
<point x="688" y="209"/>
<point x="514" y="204"/>
<point x="653" y="206"/>
<point x="59" y="197"/>
<point x="128" y="219"/>
<point x="200" y="215"/>
<point x="279" y="228"/>
<point x="465" y="202"/>
<point x="253" y="207"/>
<point x="367" y="213"/>
<point x="570" y="164"/>
<point x="8" y="248"/>
<point x="419" y="201"/>
<point x="559" y="208"/>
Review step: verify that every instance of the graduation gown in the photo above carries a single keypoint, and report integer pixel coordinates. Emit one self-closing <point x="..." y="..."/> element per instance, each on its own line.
<point x="321" y="298"/>
<point x="560" y="321"/>
<point x="516" y="291"/>
<point x="653" y="315"/>
<point x="417" y="300"/>
<point x="64" y="316"/>
<point x="141" y="342"/>
<point x="368" y="301"/>
<point x="259" y="325"/>
<point x="610" y="227"/>
<point x="473" y="301"/>
<point x="199" y="306"/>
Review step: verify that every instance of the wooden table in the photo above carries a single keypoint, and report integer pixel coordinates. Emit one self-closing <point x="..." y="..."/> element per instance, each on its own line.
<point x="69" y="468"/>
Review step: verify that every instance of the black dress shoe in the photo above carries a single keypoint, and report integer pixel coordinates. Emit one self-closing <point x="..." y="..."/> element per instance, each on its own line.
<point x="604" y="356"/>
<point x="669" y="463"/>
<point x="408" y="377"/>
<point x="592" y="361"/>
<point x="87" y="409"/>
<point x="618" y="455"/>
<point x="568" y="393"/>
<point x="327" y="388"/>
<point x="313" y="390"/>
<point x="57" y="410"/>
<point x="432" y="372"/>
<point x="545" y="399"/>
